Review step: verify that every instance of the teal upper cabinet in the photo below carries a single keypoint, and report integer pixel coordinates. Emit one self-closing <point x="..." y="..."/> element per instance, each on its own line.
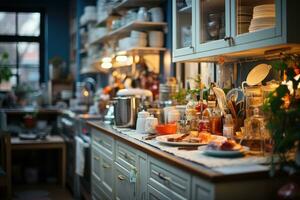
<point x="236" y="28"/>
<point x="183" y="27"/>
<point x="213" y="24"/>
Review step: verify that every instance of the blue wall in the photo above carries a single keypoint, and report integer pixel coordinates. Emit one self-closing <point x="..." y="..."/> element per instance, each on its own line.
<point x="56" y="25"/>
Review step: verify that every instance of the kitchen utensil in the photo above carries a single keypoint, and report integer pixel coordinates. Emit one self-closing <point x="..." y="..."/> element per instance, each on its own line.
<point x="150" y="125"/>
<point x="221" y="98"/>
<point x="258" y="74"/>
<point x="141" y="121"/>
<point x="125" y="111"/>
<point x="235" y="94"/>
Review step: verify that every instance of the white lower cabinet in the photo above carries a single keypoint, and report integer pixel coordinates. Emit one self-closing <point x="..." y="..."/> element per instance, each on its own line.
<point x="122" y="172"/>
<point x="154" y="194"/>
<point x="170" y="181"/>
<point x="202" y="190"/>
<point x="124" y="189"/>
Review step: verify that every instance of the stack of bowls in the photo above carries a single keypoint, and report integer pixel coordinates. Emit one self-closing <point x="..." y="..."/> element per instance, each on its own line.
<point x="138" y="39"/>
<point x="263" y="17"/>
<point x="156" y="38"/>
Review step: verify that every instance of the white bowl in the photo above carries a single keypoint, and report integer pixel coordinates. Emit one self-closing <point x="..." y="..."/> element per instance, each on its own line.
<point x="156" y="38"/>
<point x="138" y="34"/>
<point x="138" y="42"/>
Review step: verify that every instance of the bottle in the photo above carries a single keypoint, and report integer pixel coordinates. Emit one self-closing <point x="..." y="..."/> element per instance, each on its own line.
<point x="213" y="113"/>
<point x="228" y="127"/>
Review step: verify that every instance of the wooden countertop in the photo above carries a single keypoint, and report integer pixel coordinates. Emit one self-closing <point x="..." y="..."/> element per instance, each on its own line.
<point x="191" y="167"/>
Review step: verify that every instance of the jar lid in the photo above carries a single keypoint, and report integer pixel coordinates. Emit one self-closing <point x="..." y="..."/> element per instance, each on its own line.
<point x="143" y="114"/>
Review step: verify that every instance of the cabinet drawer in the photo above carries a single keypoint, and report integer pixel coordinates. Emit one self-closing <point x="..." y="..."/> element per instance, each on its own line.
<point x="97" y="193"/>
<point x="154" y="194"/>
<point x="96" y="163"/>
<point x="103" y="141"/>
<point x="170" y="181"/>
<point x="202" y="190"/>
<point x="125" y="190"/>
<point x="126" y="156"/>
<point x="107" y="174"/>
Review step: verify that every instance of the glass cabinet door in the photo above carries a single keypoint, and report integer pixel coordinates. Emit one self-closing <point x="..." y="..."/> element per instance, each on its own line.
<point x="212" y="24"/>
<point x="255" y="20"/>
<point x="183" y="41"/>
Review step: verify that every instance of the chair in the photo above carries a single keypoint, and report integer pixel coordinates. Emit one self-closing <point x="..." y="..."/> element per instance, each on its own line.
<point x="5" y="165"/>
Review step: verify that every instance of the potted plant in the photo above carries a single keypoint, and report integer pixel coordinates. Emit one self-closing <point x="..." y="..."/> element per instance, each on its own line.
<point x="5" y="72"/>
<point x="283" y="108"/>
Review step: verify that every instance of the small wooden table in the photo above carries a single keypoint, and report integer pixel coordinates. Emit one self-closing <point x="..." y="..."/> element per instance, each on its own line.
<point x="51" y="142"/>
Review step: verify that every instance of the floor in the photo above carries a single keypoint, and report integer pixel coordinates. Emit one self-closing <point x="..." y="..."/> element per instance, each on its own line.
<point x="41" y="192"/>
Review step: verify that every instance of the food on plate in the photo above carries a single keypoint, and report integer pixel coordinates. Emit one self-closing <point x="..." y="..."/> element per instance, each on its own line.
<point x="224" y="145"/>
<point x="178" y="139"/>
<point x="193" y="137"/>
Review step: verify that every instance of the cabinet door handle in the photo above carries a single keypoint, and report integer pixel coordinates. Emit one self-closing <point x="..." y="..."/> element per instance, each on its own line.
<point x="105" y="166"/>
<point x="96" y="158"/>
<point x="226" y="38"/>
<point x="229" y="39"/>
<point x="121" y="177"/>
<point x="191" y="47"/>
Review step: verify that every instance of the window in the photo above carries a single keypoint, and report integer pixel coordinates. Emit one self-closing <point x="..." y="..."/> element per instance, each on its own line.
<point x="21" y="37"/>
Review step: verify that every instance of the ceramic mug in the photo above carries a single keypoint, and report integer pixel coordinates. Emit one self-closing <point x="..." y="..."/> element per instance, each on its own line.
<point x="142" y="14"/>
<point x="157" y="14"/>
<point x="150" y="125"/>
<point x="141" y="121"/>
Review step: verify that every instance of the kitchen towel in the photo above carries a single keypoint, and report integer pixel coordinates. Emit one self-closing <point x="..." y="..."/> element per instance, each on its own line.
<point x="80" y="158"/>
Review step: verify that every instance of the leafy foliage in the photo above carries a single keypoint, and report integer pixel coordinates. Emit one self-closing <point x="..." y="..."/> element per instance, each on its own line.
<point x="283" y="106"/>
<point x="5" y="71"/>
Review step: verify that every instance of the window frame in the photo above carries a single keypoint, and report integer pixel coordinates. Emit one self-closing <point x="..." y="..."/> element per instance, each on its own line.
<point x="37" y="39"/>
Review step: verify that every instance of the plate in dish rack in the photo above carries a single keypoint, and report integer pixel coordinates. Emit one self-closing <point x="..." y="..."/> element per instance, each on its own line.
<point x="164" y="140"/>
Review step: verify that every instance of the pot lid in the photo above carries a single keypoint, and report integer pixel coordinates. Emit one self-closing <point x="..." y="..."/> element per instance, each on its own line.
<point x="258" y="74"/>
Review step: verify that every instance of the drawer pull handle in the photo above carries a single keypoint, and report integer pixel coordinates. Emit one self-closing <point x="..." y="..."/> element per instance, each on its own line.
<point x="105" y="166"/>
<point x="96" y="158"/>
<point x="121" y="177"/>
<point x="98" y="139"/>
<point x="163" y="177"/>
<point x="126" y="156"/>
<point x="168" y="180"/>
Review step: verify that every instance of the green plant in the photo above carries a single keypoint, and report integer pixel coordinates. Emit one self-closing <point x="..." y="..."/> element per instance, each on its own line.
<point x="283" y="109"/>
<point x="5" y="71"/>
<point x="180" y="96"/>
<point x="200" y="87"/>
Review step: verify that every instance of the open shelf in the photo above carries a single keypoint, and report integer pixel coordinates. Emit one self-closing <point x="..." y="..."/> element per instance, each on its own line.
<point x="125" y="30"/>
<point x="141" y="51"/>
<point x="136" y="3"/>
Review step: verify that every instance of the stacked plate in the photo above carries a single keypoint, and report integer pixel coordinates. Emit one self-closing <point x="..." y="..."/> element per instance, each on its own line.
<point x="263" y="17"/>
<point x="244" y="18"/>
